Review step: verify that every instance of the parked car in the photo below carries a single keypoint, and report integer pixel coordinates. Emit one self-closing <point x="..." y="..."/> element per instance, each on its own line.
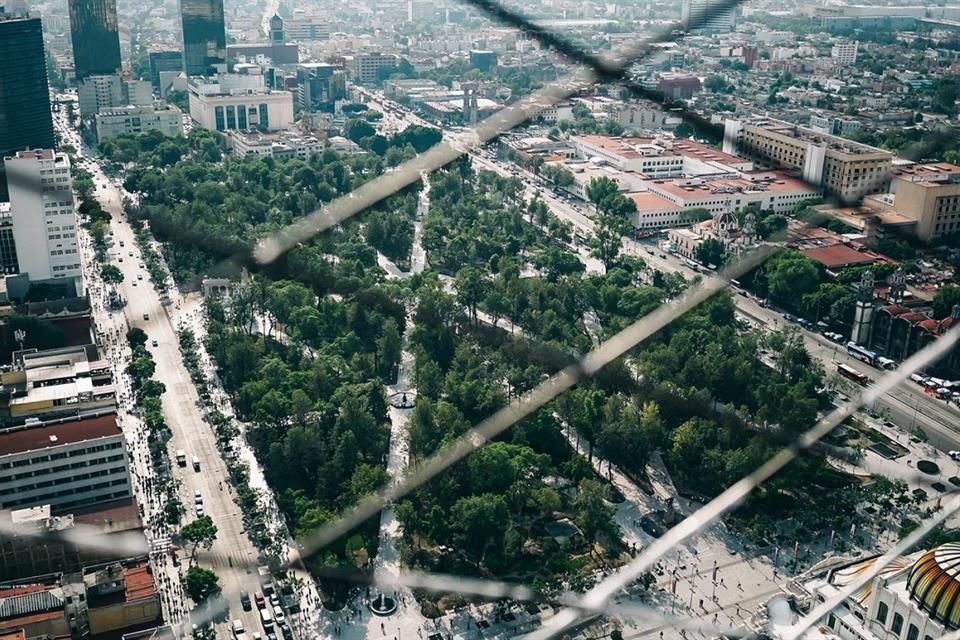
<point x="245" y="601"/>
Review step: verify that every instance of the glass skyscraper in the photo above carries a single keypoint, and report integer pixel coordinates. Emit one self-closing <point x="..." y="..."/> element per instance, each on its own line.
<point x="25" y="120"/>
<point x="204" y="36"/>
<point x="96" y="41"/>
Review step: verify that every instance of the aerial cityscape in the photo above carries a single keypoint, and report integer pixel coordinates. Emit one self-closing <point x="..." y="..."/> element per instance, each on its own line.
<point x="468" y="320"/>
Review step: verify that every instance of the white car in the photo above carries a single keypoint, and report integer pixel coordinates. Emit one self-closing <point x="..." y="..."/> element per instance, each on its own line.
<point x="955" y="455"/>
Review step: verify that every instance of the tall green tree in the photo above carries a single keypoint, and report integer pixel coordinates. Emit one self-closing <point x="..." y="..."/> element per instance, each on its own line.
<point x="601" y="190"/>
<point x="944" y="301"/>
<point x="201" y="532"/>
<point x="201" y="584"/>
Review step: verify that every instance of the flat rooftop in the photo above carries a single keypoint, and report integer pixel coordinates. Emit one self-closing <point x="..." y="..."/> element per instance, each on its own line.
<point x="931" y="174"/>
<point x="112" y="517"/>
<point x="806" y="134"/>
<point x="45" y="436"/>
<point x="839" y="255"/>
<point x="701" y="188"/>
<point x="631" y="148"/>
<point x="649" y="201"/>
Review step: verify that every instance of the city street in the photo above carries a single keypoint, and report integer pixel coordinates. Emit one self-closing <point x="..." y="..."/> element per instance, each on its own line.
<point x="183" y="413"/>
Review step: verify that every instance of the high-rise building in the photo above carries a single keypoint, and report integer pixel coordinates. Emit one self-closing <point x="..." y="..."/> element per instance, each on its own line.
<point x="98" y="92"/>
<point x="320" y="85"/>
<point x="845" y="53"/>
<point x="276" y="30"/>
<point x="365" y="68"/>
<point x="8" y="245"/>
<point x="25" y="120"/>
<point x="484" y="60"/>
<point x="204" y="36"/>
<point x="96" y="41"/>
<point x="164" y="61"/>
<point x="306" y="29"/>
<point x="708" y="16"/>
<point x="44" y="220"/>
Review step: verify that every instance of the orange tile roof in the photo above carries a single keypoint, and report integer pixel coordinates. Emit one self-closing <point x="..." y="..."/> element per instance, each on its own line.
<point x="19" y="590"/>
<point x="139" y="583"/>
<point x="649" y="201"/>
<point x="35" y="438"/>
<point x="19" y="634"/>
<point x="838" y="255"/>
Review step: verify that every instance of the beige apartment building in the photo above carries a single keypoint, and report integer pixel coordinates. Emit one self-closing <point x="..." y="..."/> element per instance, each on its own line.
<point x="929" y="194"/>
<point x="840" y="167"/>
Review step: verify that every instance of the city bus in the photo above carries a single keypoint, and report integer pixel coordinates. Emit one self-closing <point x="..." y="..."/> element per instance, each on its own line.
<point x="852" y="374"/>
<point x="856" y="351"/>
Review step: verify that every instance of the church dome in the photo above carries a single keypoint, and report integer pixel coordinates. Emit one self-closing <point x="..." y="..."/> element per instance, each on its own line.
<point x="934" y="584"/>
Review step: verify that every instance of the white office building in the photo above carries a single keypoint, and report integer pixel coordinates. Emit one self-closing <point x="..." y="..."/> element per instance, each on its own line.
<point x="705" y="16"/>
<point x="306" y="28"/>
<point x="68" y="463"/>
<point x="233" y="102"/>
<point x="845" y="54"/>
<point x="96" y="93"/>
<point x="99" y="92"/>
<point x="281" y="145"/>
<point x="138" y="93"/>
<point x="44" y="219"/>
<point x="364" y="68"/>
<point x="134" y="120"/>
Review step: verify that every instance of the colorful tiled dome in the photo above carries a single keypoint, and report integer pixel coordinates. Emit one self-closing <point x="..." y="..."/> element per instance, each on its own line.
<point x="934" y="584"/>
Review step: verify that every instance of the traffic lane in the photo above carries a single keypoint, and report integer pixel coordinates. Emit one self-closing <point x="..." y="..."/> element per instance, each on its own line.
<point x="180" y="406"/>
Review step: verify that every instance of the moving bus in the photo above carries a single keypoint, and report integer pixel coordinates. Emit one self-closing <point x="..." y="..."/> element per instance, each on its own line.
<point x="856" y="351"/>
<point x="852" y="374"/>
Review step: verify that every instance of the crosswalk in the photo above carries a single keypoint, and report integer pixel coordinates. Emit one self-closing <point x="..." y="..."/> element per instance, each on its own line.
<point x="160" y="545"/>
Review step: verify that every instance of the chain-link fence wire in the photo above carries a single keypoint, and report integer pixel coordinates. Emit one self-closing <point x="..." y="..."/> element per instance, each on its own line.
<point x="596" y="601"/>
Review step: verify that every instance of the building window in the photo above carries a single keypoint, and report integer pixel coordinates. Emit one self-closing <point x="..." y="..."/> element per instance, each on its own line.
<point x="218" y="115"/>
<point x="831" y="621"/>
<point x="913" y="632"/>
<point x="242" y="116"/>
<point x="231" y="117"/>
<point x="264" y="116"/>
<point x="897" y="625"/>
<point x="882" y="613"/>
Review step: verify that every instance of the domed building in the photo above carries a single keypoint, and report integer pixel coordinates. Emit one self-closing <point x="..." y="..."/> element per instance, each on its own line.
<point x="917" y="597"/>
